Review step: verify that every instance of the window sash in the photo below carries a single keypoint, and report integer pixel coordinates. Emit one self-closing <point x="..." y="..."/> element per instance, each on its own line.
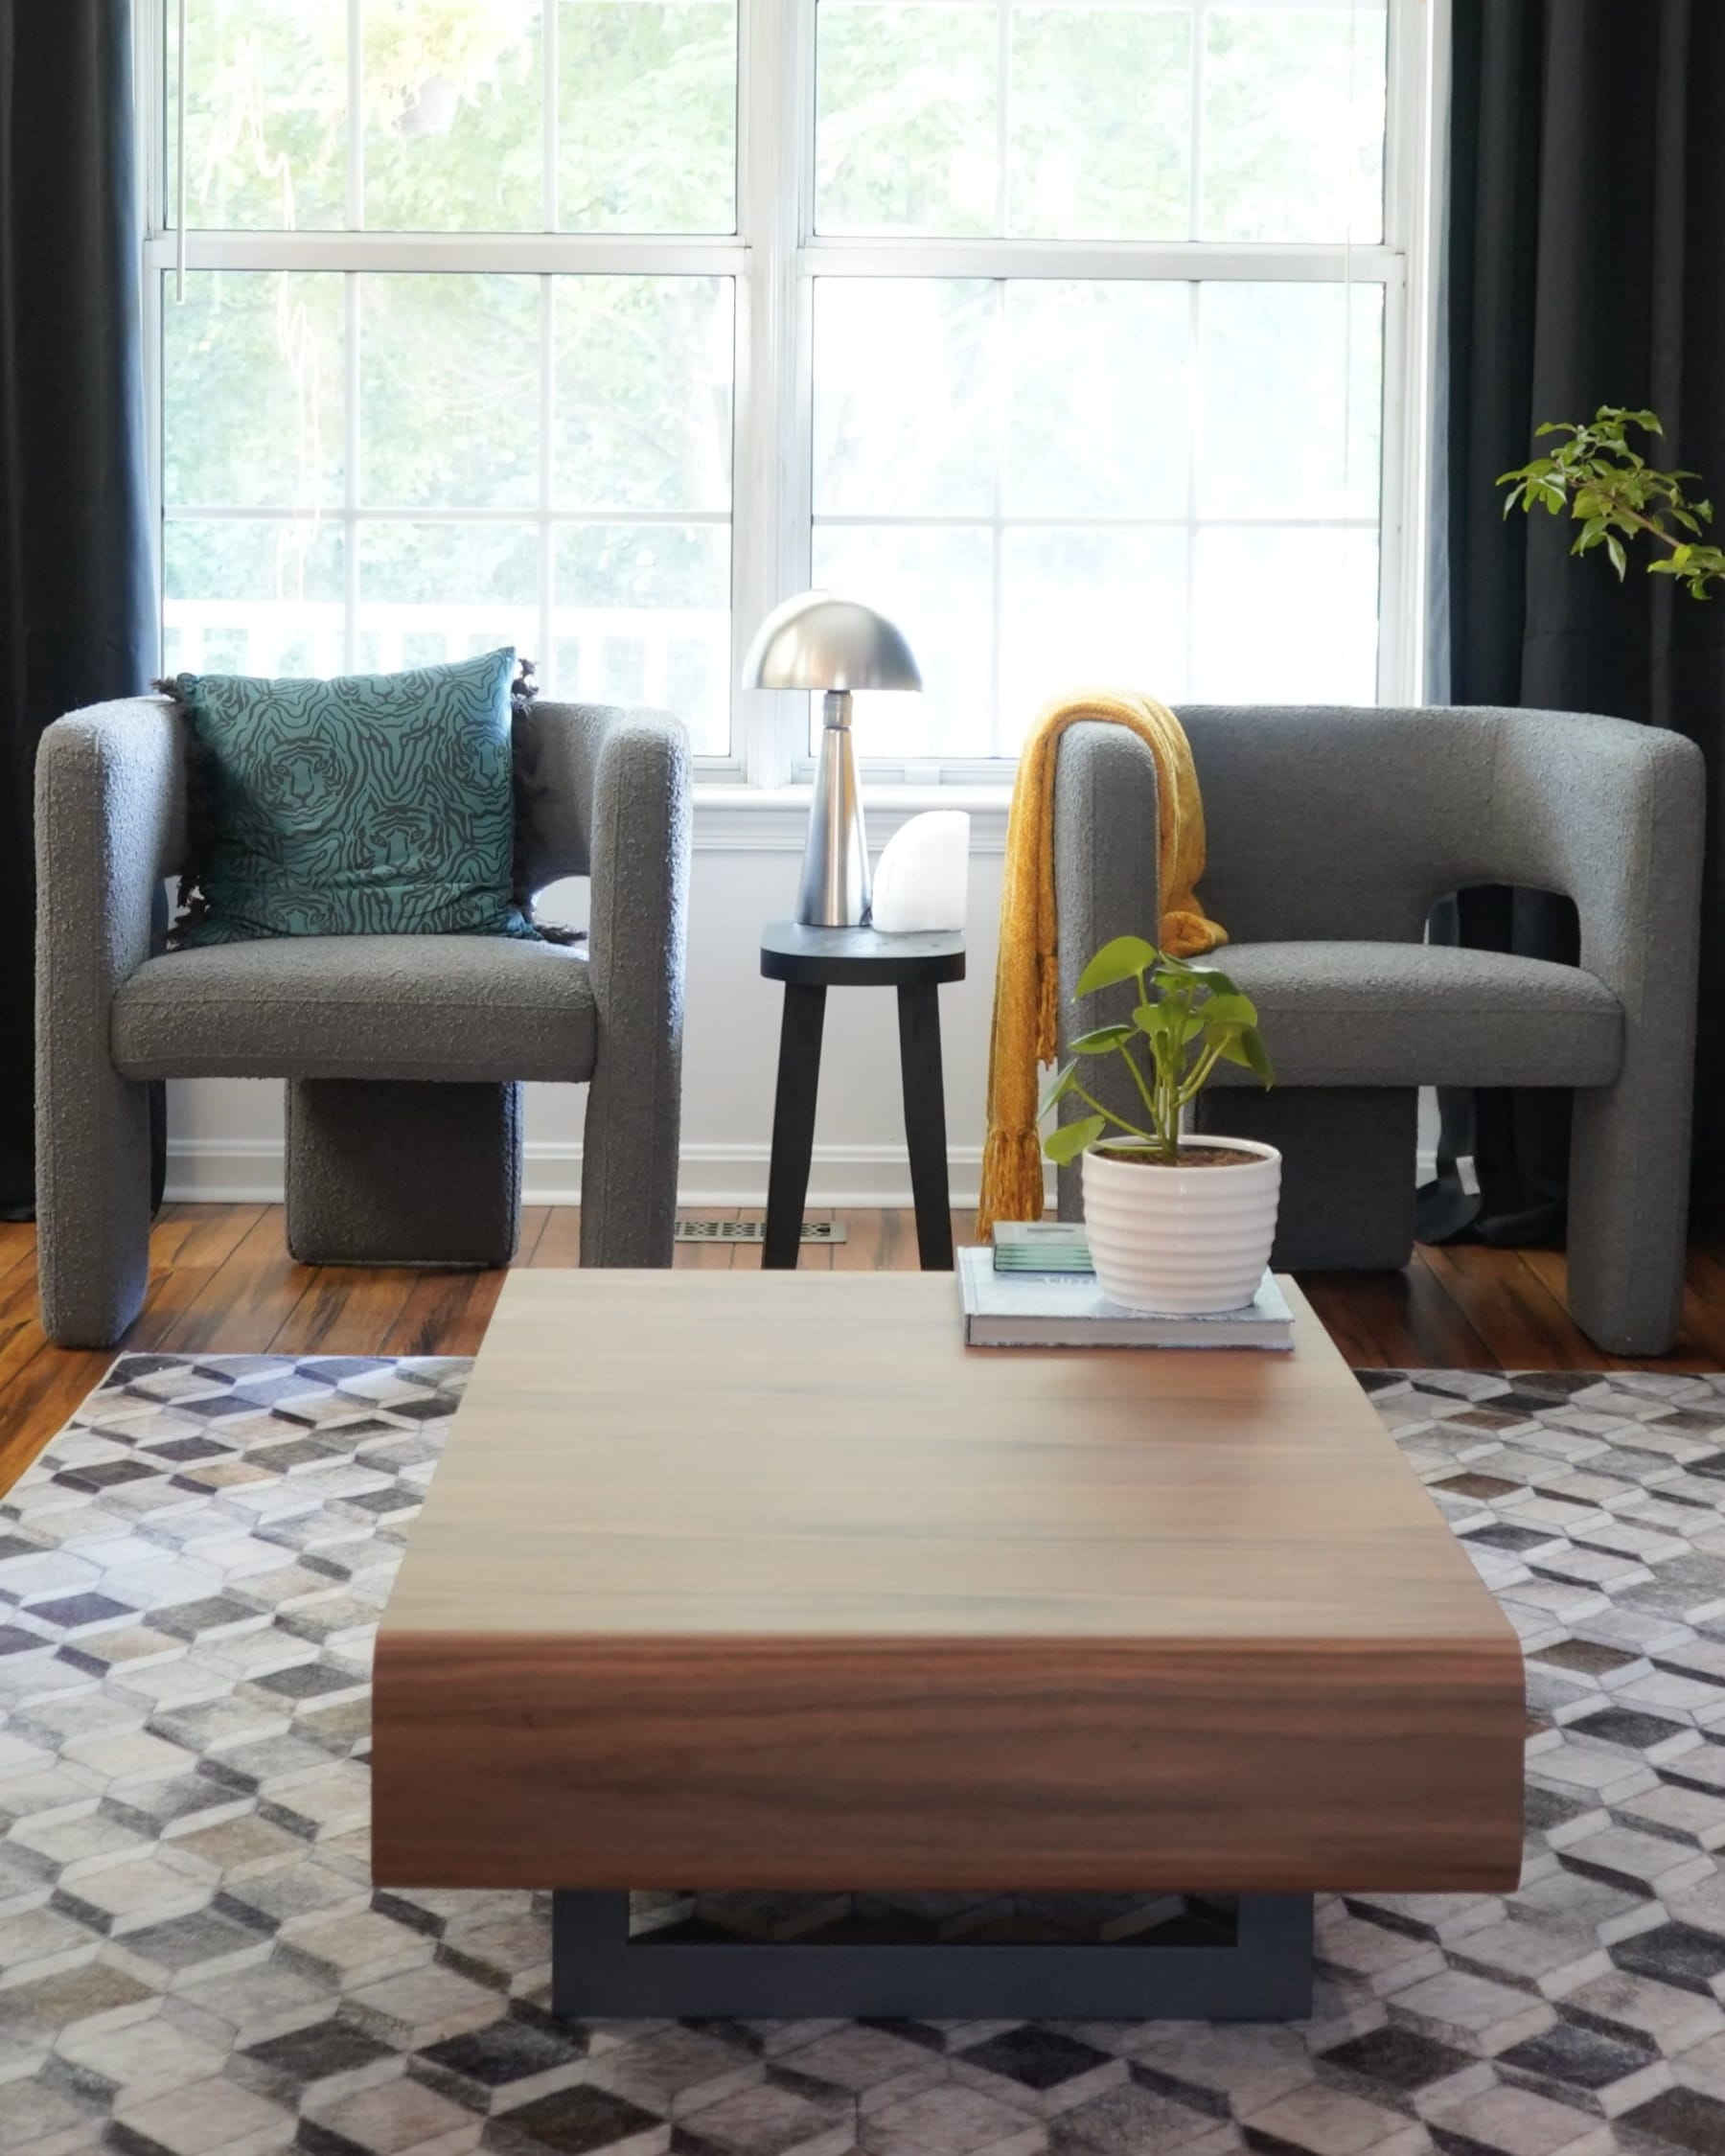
<point x="775" y="258"/>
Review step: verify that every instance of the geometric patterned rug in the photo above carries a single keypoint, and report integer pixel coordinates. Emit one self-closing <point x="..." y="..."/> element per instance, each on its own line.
<point x="193" y="1961"/>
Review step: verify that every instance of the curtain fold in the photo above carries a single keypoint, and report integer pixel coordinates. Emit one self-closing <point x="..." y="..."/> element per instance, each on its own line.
<point x="1585" y="242"/>
<point x="77" y="600"/>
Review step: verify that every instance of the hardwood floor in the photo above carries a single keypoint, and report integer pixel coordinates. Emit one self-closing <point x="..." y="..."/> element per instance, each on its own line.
<point x="220" y="1278"/>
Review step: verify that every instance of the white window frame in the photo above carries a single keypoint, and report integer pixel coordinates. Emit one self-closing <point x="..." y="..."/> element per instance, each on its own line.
<point x="774" y="256"/>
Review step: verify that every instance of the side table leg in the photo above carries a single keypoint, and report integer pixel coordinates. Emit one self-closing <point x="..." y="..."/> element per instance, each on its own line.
<point x="925" y="1122"/>
<point x="793" y="1124"/>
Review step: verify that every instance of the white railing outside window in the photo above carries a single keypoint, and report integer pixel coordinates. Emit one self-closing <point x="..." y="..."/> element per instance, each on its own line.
<point x="1086" y="336"/>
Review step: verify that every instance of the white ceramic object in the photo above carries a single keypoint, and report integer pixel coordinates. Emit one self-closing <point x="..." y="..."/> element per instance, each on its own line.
<point x="1181" y="1239"/>
<point x="922" y="878"/>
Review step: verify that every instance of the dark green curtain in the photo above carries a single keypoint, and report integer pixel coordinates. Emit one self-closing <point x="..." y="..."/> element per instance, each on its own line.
<point x="1585" y="265"/>
<point x="76" y="610"/>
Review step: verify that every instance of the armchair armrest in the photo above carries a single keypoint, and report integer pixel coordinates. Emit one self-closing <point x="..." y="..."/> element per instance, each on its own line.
<point x="110" y="789"/>
<point x="1614" y="817"/>
<point x="110" y="818"/>
<point x="639" y="846"/>
<point x="1106" y="884"/>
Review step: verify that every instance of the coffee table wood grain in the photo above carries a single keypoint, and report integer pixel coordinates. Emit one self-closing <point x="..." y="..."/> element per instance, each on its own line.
<point x="740" y="1580"/>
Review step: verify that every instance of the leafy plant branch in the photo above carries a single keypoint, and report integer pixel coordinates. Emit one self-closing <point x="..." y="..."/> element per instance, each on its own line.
<point x="1189" y="1018"/>
<point x="1612" y="491"/>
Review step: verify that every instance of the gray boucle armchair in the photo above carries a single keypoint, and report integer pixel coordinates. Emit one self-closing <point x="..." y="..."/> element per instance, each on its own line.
<point x="1331" y="832"/>
<point x="402" y="1054"/>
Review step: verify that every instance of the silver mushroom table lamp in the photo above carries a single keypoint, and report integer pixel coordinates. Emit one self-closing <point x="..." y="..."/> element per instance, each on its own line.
<point x="815" y="641"/>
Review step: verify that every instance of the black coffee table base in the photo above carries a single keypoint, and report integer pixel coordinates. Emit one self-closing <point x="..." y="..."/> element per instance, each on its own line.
<point x="597" y="1970"/>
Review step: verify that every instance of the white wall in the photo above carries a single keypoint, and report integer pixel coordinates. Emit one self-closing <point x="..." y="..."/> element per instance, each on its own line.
<point x="225" y="1135"/>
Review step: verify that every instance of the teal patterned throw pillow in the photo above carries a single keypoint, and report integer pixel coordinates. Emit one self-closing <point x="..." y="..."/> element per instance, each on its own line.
<point x="374" y="804"/>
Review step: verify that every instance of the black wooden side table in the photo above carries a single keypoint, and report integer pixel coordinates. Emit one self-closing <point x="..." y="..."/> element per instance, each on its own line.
<point x="810" y="961"/>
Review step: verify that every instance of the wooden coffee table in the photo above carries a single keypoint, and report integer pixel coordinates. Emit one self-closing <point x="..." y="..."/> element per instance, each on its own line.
<point x="765" y="1581"/>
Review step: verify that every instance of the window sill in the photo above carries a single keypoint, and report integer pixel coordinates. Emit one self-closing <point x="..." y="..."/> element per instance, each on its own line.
<point x="749" y="819"/>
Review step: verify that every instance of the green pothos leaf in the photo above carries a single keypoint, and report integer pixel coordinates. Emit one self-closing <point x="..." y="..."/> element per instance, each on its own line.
<point x="1059" y="1087"/>
<point x="1122" y="959"/>
<point x="1067" y="1143"/>
<point x="1101" y="1040"/>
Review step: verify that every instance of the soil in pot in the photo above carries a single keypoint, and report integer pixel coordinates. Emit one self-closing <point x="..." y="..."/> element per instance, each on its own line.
<point x="1188" y="1156"/>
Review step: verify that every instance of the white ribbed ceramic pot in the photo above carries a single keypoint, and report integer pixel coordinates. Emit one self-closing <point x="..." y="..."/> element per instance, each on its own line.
<point x="1181" y="1239"/>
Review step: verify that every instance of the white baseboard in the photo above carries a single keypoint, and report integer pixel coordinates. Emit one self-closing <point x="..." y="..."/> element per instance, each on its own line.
<point x="225" y="1171"/>
<point x="736" y="1175"/>
<point x="234" y="1171"/>
<point x="249" y="1171"/>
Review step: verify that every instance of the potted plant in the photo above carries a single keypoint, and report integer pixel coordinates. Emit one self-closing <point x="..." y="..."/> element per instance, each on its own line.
<point x="1178" y="1226"/>
<point x="1613" y="492"/>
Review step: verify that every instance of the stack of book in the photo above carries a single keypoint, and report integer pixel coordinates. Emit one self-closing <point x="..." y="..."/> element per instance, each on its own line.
<point x="1036" y="1288"/>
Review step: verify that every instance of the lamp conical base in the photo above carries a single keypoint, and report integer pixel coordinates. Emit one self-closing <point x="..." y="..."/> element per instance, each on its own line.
<point x="835" y="872"/>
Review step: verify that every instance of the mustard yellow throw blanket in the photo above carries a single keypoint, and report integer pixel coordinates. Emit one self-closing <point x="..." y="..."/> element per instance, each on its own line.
<point x="1026" y="978"/>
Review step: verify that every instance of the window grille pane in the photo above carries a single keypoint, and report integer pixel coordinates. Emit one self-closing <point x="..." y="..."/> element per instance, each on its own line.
<point x="647" y="104"/>
<point x="642" y="615"/>
<point x="1172" y="481"/>
<point x="454" y="131"/>
<point x="1286" y="615"/>
<point x="643" y="393"/>
<point x="905" y="117"/>
<point x="1293" y="123"/>
<point x="583" y="518"/>
<point x="904" y="378"/>
<point x="242" y="344"/>
<point x="1080" y="607"/>
<point x="935" y="583"/>
<point x="430" y="593"/>
<point x="253" y="596"/>
<point x="1052" y="483"/>
<point x="1101" y="120"/>
<point x="1097" y="420"/>
<point x="448" y="396"/>
<point x="1291" y="384"/>
<point x="267" y="113"/>
<point x="453" y="93"/>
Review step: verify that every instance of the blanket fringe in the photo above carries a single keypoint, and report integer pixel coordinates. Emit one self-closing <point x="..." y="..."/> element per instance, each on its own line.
<point x="1012" y="1180"/>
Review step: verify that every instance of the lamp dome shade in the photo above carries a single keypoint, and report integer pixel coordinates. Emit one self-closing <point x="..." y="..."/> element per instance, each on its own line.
<point x="816" y="641"/>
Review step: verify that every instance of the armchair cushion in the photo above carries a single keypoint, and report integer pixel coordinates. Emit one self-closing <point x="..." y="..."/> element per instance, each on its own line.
<point x="1414" y="1014"/>
<point x="375" y="804"/>
<point x="418" y="1007"/>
